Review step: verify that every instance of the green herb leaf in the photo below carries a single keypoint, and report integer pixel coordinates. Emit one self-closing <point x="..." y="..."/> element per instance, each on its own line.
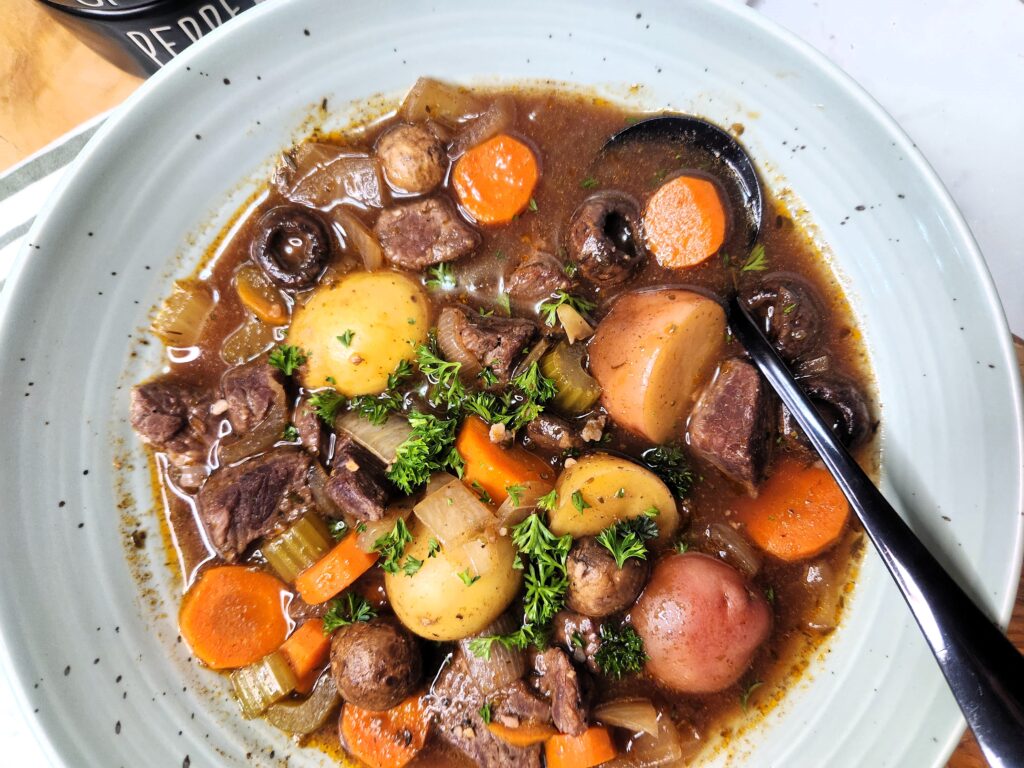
<point x="430" y="448"/>
<point x="745" y="696"/>
<point x="621" y="652"/>
<point x="579" y="502"/>
<point x="488" y="376"/>
<point x="468" y="579"/>
<point x="570" y="268"/>
<point x="482" y="493"/>
<point x="391" y="547"/>
<point x="532" y="205"/>
<point x="505" y="303"/>
<point x="668" y="463"/>
<point x="485" y="712"/>
<point x="287" y="358"/>
<point x="433" y="547"/>
<point x="411" y="565"/>
<point x="588" y="183"/>
<point x="515" y="492"/>
<point x="347" y="610"/>
<point x="443" y="277"/>
<point x="549" y="309"/>
<point x="291" y="434"/>
<point x="627" y="538"/>
<point x="339" y="529"/>
<point x="325" y="404"/>
<point x="788" y="309"/>
<point x="548" y="501"/>
<point x="682" y="546"/>
<point x="756" y="262"/>
<point x="346" y="337"/>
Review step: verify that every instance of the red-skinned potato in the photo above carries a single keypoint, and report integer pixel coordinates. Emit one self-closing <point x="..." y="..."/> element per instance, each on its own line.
<point x="652" y="353"/>
<point x="700" y="623"/>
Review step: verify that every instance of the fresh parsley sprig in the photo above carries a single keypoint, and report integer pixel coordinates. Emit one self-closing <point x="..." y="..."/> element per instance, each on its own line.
<point x="668" y="463"/>
<point x="391" y="547"/>
<point x="430" y="448"/>
<point x="549" y="309"/>
<point x="326" y="403"/>
<point x="621" y="652"/>
<point x="628" y="538"/>
<point x="287" y="358"/>
<point x="347" y="610"/>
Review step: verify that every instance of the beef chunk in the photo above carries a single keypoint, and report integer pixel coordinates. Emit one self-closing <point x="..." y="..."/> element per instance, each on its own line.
<point x="173" y="417"/>
<point x="456" y="701"/>
<point x="309" y="426"/>
<point x="412" y="157"/>
<point x="731" y="425"/>
<point x="558" y="680"/>
<point x="495" y="342"/>
<point x="552" y="434"/>
<point x="416" y="235"/>
<point x="579" y="635"/>
<point x="244" y="502"/>
<point x="357" y="485"/>
<point x="300" y="611"/>
<point x="252" y="391"/>
<point x="517" y="705"/>
<point x="537" y="278"/>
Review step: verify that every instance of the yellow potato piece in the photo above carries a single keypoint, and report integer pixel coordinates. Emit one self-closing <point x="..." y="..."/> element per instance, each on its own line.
<point x="615" y="489"/>
<point x="384" y="315"/>
<point x="652" y="354"/>
<point x="436" y="603"/>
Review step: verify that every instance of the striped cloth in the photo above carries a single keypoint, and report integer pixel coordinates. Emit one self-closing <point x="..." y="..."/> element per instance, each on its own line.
<point x="25" y="188"/>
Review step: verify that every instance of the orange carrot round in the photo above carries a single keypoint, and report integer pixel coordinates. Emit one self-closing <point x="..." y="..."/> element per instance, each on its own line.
<point x="494" y="180"/>
<point x="799" y="512"/>
<point x="684" y="222"/>
<point x="233" y="616"/>
<point x="592" y="747"/>
<point x="334" y="571"/>
<point x="493" y="467"/>
<point x="526" y="735"/>
<point x="307" y="651"/>
<point x="387" y="739"/>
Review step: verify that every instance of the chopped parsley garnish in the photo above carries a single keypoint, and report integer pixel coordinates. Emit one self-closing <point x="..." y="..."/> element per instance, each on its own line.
<point x="291" y="434"/>
<point x="514" y="641"/>
<point x="287" y="358"/>
<point x="532" y="205"/>
<point x="376" y="409"/>
<point x="486" y="713"/>
<point x="482" y="493"/>
<point x="430" y="448"/>
<point x="628" y="538"/>
<point x="468" y="579"/>
<point x="570" y="268"/>
<point x="769" y="593"/>
<point x="756" y="262"/>
<point x="325" y="404"/>
<point x="577" y="640"/>
<point x="433" y="547"/>
<point x="485" y="312"/>
<point x="346" y="337"/>
<point x="620" y="493"/>
<point x="588" y="183"/>
<point x="443" y="375"/>
<point x="411" y="565"/>
<point x="682" y="546"/>
<point x="442" y="277"/>
<point x="505" y="303"/>
<point x="391" y="547"/>
<point x="548" y="501"/>
<point x="515" y="492"/>
<point x="339" y="529"/>
<point x="621" y="652"/>
<point x="579" y="502"/>
<point x="545" y="578"/>
<point x="347" y="610"/>
<point x="549" y="309"/>
<point x="788" y="309"/>
<point x="668" y="463"/>
<point x="488" y="376"/>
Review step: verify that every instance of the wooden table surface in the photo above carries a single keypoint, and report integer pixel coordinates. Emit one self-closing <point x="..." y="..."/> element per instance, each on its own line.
<point x="50" y="83"/>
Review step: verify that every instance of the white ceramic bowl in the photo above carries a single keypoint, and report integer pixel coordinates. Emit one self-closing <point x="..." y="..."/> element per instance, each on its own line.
<point x="97" y="659"/>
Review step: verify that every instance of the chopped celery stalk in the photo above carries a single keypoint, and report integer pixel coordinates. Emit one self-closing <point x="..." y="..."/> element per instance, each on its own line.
<point x="261" y="684"/>
<point x="302" y="717"/>
<point x="577" y="389"/>
<point x="301" y="545"/>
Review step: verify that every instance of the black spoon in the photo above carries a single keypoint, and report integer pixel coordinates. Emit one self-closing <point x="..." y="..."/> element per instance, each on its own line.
<point x="983" y="669"/>
<point x="709" y="138"/>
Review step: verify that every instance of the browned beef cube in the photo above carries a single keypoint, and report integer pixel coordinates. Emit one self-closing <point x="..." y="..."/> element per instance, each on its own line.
<point x="416" y="235"/>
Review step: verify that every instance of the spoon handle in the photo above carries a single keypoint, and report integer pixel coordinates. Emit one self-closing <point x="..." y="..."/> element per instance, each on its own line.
<point x="983" y="669"/>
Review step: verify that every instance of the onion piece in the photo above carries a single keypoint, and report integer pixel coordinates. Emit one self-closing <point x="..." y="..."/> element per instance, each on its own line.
<point x="826" y="592"/>
<point x="375" y="529"/>
<point x="261" y="438"/>
<point x="505" y="665"/>
<point x="431" y="99"/>
<point x="451" y="346"/>
<point x="646" y="751"/>
<point x="362" y="239"/>
<point x="497" y="118"/>
<point x="480" y="554"/>
<point x="382" y="440"/>
<point x="300" y="718"/>
<point x="535" y="354"/>
<point x="454" y="514"/>
<point x="818" y="365"/>
<point x="250" y="340"/>
<point x="632" y="713"/>
<point x="181" y="318"/>
<point x="511" y="513"/>
<point x="734" y="548"/>
<point x="324" y="175"/>
<point x="572" y="321"/>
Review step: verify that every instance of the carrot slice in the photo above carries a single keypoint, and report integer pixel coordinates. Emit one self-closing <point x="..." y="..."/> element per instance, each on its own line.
<point x="233" y="616"/>
<point x="386" y="739"/>
<point x="592" y="747"/>
<point x="306" y="651"/>
<point x="334" y="571"/>
<point x="257" y="293"/>
<point x="525" y="735"/>
<point x="799" y="512"/>
<point x="492" y="467"/>
<point x="684" y="222"/>
<point x="495" y="180"/>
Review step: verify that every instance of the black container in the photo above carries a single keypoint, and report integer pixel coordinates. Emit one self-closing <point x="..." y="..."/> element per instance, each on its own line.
<point x="140" y="36"/>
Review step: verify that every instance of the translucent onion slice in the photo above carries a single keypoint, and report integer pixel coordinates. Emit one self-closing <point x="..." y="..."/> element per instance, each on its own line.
<point x="380" y="440"/>
<point x="261" y="684"/>
<point x="733" y="547"/>
<point x="325" y="175"/>
<point x="480" y="555"/>
<point x="302" y="717"/>
<point x="454" y="514"/>
<point x="375" y="529"/>
<point x="181" y="318"/>
<point x="451" y="345"/>
<point x="298" y="547"/>
<point x="513" y="511"/>
<point x="632" y="713"/>
<point x="262" y="437"/>
<point x="504" y="666"/>
<point x="826" y="593"/>
<point x="576" y="328"/>
<point x="251" y="339"/>
<point x="646" y="751"/>
<point x="361" y="238"/>
<point x="497" y="118"/>
<point x="433" y="100"/>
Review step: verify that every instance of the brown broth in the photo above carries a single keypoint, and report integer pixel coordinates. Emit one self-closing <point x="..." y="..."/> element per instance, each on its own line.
<point x="567" y="131"/>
